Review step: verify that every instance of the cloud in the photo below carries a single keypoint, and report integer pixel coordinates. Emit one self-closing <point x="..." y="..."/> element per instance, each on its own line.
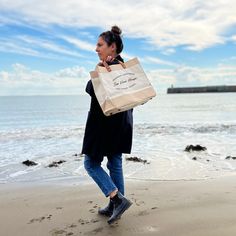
<point x="74" y="72"/>
<point x="4" y="76"/>
<point x="168" y="51"/>
<point x="234" y="38"/>
<point x="22" y="80"/>
<point x="184" y="76"/>
<point x="195" y="25"/>
<point x="84" y="45"/>
<point x="10" y="47"/>
<point x="127" y="56"/>
<point x="220" y="75"/>
<point x="158" y="61"/>
<point x="228" y="60"/>
<point x="46" y="44"/>
<point x="31" y="46"/>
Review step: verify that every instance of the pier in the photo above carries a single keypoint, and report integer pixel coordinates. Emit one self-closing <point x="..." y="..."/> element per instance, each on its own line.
<point x="203" y="89"/>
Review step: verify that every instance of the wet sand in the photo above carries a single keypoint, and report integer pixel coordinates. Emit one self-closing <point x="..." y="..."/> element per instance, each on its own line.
<point x="180" y="208"/>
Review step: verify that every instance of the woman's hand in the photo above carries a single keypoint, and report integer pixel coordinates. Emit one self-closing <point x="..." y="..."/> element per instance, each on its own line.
<point x="109" y="59"/>
<point x="104" y="62"/>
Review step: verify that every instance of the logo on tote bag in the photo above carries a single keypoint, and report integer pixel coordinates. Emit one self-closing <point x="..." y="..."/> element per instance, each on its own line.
<point x="126" y="80"/>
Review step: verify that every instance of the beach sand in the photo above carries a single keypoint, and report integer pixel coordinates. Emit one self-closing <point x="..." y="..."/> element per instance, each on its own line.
<point x="200" y="207"/>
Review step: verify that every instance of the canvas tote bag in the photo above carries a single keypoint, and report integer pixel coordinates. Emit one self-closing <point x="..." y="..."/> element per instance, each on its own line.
<point x="121" y="87"/>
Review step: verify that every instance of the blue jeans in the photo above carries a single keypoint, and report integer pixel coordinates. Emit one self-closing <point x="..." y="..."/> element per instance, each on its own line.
<point x="107" y="183"/>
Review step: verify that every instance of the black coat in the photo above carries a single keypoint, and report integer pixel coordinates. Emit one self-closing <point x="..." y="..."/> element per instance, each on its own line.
<point x="106" y="135"/>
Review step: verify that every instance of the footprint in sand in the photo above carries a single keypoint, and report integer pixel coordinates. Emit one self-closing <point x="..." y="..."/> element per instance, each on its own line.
<point x="143" y="230"/>
<point x="72" y="226"/>
<point x="56" y="232"/>
<point x="92" y="210"/>
<point x="94" y="231"/>
<point x="40" y="219"/>
<point x="154" y="208"/>
<point x="59" y="208"/>
<point x="94" y="221"/>
<point x="143" y="213"/>
<point x="63" y="231"/>
<point x="83" y="222"/>
<point x="114" y="225"/>
<point x="138" y="202"/>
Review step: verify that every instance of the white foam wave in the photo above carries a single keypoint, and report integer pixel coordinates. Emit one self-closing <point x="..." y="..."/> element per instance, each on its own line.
<point x="228" y="128"/>
<point x="41" y="133"/>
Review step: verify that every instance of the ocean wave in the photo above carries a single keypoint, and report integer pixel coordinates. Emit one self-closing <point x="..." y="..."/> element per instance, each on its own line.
<point x="42" y="133"/>
<point x="185" y="128"/>
<point x="62" y="132"/>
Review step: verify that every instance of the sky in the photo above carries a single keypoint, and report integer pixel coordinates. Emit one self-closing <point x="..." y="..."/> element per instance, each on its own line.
<point x="47" y="47"/>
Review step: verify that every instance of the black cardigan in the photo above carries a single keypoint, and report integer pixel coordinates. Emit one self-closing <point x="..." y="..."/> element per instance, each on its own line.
<point x="106" y="135"/>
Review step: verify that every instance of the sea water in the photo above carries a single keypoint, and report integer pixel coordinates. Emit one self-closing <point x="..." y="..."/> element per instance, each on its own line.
<point x="44" y="129"/>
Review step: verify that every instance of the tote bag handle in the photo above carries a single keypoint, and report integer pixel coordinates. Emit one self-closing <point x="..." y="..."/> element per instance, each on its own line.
<point x="109" y="68"/>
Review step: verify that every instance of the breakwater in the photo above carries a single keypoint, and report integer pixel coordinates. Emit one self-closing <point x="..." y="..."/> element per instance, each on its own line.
<point x="203" y="89"/>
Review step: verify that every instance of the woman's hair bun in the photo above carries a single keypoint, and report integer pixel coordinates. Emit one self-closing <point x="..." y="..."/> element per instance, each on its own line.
<point x="116" y="30"/>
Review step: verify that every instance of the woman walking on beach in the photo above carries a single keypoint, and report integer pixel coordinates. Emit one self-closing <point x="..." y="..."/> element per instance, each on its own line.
<point x="108" y="136"/>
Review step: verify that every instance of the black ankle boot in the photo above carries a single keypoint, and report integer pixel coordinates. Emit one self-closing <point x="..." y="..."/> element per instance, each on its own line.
<point x="121" y="204"/>
<point x="108" y="210"/>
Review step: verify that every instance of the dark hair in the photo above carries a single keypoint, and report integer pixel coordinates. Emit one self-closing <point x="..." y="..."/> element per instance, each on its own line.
<point x="113" y="36"/>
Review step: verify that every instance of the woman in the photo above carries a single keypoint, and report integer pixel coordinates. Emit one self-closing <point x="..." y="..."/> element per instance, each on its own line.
<point x="108" y="136"/>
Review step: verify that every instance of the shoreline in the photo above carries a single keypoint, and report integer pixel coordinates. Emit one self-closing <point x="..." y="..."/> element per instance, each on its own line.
<point x="70" y="181"/>
<point x="199" y="207"/>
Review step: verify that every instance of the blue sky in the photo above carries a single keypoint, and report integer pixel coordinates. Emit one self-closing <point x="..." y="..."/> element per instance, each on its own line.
<point x="48" y="47"/>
